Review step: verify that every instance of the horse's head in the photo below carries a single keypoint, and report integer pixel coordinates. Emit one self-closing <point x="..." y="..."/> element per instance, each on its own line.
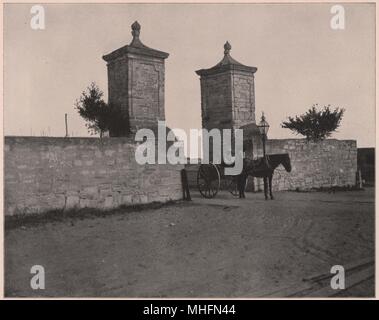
<point x="287" y="162"/>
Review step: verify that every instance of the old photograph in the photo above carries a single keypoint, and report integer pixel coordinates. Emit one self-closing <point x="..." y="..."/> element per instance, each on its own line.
<point x="189" y="150"/>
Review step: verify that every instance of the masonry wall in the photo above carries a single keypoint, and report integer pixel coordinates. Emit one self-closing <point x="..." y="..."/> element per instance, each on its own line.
<point x="216" y="101"/>
<point x="243" y="98"/>
<point x="118" y="85"/>
<point x="146" y="91"/>
<point x="314" y="165"/>
<point x="136" y="84"/>
<point x="42" y="174"/>
<point x="227" y="100"/>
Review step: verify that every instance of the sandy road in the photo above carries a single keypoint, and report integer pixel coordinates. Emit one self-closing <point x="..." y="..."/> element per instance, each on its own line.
<point x="223" y="247"/>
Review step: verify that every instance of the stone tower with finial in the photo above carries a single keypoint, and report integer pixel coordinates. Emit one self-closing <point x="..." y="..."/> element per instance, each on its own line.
<point x="227" y="94"/>
<point x="136" y="82"/>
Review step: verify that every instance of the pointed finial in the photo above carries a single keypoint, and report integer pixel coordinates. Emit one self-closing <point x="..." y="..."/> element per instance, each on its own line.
<point x="227" y="47"/>
<point x="263" y="116"/>
<point x="136" y="27"/>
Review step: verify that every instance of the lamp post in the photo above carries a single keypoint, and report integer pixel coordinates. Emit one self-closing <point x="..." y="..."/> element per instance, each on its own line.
<point x="263" y="127"/>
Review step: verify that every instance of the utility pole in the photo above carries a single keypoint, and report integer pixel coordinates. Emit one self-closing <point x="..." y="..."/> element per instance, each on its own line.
<point x="65" y="120"/>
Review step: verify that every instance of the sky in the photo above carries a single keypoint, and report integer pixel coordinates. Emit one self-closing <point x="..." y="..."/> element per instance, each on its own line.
<point x="301" y="60"/>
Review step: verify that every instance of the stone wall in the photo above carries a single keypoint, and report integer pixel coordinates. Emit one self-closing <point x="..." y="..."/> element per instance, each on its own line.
<point x="43" y="173"/>
<point x="314" y="165"/>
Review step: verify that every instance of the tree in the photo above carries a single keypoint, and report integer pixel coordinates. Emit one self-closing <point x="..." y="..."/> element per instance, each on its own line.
<point x="99" y="115"/>
<point x="315" y="125"/>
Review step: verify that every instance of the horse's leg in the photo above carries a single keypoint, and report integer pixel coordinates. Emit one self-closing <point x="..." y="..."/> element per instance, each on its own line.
<point x="240" y="190"/>
<point x="265" y="187"/>
<point x="270" y="186"/>
<point x="240" y="179"/>
<point x="242" y="186"/>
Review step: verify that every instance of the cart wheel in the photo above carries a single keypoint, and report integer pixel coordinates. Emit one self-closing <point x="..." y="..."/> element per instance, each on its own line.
<point x="208" y="180"/>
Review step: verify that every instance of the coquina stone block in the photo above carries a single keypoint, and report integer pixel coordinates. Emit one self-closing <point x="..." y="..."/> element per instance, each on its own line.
<point x="55" y="182"/>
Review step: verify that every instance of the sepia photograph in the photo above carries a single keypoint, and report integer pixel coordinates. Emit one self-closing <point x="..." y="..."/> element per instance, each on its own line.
<point x="189" y="150"/>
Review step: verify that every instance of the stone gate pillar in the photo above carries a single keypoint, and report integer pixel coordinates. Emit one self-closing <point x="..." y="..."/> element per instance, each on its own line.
<point x="227" y="94"/>
<point x="136" y="82"/>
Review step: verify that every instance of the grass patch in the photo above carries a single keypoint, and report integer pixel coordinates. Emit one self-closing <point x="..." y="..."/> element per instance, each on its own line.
<point x="33" y="219"/>
<point x="330" y="189"/>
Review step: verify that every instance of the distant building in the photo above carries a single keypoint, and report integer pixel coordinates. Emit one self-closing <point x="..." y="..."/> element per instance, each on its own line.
<point x="366" y="164"/>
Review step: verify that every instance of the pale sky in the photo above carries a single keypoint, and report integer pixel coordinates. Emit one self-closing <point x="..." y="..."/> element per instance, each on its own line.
<point x="300" y="59"/>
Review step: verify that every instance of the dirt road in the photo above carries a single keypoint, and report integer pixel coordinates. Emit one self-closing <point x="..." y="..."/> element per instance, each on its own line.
<point x="224" y="247"/>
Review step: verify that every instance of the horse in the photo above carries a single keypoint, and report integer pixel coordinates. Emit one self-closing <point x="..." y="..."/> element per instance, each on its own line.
<point x="262" y="168"/>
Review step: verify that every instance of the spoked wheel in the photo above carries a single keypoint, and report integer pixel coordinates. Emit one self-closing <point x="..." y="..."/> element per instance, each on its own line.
<point x="208" y="180"/>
